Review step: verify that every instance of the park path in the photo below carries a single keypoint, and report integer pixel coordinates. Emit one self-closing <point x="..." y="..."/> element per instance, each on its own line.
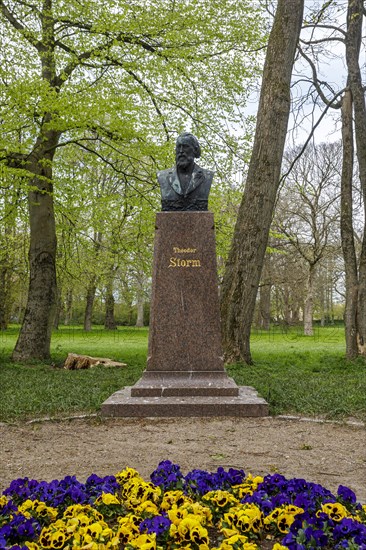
<point x="322" y="452"/>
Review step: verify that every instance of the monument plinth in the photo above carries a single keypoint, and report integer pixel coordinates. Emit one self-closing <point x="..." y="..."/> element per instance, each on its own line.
<point x="185" y="354"/>
<point x="185" y="373"/>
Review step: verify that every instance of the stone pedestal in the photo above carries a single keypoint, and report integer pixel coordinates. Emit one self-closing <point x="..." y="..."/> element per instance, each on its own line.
<point x="185" y="374"/>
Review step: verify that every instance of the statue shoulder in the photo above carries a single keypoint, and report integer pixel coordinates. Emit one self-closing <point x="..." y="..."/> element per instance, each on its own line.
<point x="208" y="174"/>
<point x="164" y="174"/>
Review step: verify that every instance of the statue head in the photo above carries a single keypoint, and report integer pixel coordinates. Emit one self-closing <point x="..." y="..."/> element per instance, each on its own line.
<point x="187" y="149"/>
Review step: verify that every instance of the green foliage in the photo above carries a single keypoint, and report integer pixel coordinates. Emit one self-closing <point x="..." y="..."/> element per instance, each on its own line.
<point x="107" y="87"/>
<point x="296" y="374"/>
<point x="129" y="73"/>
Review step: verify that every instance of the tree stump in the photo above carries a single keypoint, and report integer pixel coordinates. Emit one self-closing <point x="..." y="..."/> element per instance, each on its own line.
<point x="77" y="362"/>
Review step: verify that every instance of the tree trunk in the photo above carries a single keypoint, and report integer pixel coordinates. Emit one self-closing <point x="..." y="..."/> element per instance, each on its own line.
<point x="329" y="297"/>
<point x="308" y="304"/>
<point x="6" y="261"/>
<point x="3" y="300"/>
<point x="323" y="291"/>
<point x="347" y="236"/>
<point x="140" y="310"/>
<point x="295" y="313"/>
<point x="68" y="307"/>
<point x="244" y="265"/>
<point x="287" y="304"/>
<point x="91" y="290"/>
<point x="58" y="310"/>
<point x="265" y="306"/>
<point x="109" y="322"/>
<point x="90" y="295"/>
<point x="264" y="302"/>
<point x="353" y="44"/>
<point x="35" y="334"/>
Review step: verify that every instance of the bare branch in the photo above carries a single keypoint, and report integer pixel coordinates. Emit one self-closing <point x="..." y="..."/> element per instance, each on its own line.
<point x="310" y="135"/>
<point x="322" y="40"/>
<point x="329" y="27"/>
<point x="317" y="83"/>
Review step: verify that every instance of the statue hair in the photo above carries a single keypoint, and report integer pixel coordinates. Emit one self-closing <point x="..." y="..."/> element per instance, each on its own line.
<point x="194" y="141"/>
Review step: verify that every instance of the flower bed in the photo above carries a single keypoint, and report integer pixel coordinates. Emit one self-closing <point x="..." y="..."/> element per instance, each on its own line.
<point x="200" y="511"/>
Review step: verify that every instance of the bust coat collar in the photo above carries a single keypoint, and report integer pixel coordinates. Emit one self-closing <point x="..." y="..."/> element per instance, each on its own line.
<point x="196" y="180"/>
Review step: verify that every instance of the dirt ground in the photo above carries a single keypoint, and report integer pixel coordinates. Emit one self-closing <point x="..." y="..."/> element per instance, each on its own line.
<point x="322" y="452"/>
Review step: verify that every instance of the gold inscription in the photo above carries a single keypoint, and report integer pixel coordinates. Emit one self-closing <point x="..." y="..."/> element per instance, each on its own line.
<point x="178" y="250"/>
<point x="180" y="262"/>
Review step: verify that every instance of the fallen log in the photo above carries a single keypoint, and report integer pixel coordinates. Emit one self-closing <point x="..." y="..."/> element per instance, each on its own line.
<point x="75" y="361"/>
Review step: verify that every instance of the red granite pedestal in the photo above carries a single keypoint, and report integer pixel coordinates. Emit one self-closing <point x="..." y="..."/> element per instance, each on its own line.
<point x="185" y="374"/>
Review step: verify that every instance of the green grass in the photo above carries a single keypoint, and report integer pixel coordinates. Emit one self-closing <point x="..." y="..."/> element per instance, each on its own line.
<point x="295" y="374"/>
<point x="305" y="375"/>
<point x="37" y="390"/>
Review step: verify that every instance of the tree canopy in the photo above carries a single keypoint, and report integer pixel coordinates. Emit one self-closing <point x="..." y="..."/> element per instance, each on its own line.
<point x="117" y="80"/>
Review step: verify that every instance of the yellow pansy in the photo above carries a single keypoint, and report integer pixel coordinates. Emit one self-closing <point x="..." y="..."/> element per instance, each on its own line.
<point x="72" y="525"/>
<point x="25" y="507"/>
<point x="202" y="512"/>
<point x="144" y="542"/>
<point x="221" y="499"/>
<point x="38" y="509"/>
<point x="240" y="541"/>
<point x="147" y="507"/>
<point x="284" y="522"/>
<point x="171" y="498"/>
<point x="95" y="529"/>
<point x="249" y="485"/>
<point x="72" y="511"/>
<point x="131" y="519"/>
<point x="83" y="511"/>
<point x="283" y="517"/>
<point x="243" y="519"/>
<point x="177" y="514"/>
<point x="45" y="538"/>
<point x="58" y="539"/>
<point x="84" y="520"/>
<point x="189" y="529"/>
<point x="107" y="533"/>
<point x="219" y="502"/>
<point x="279" y="546"/>
<point x="135" y="491"/>
<point x="107" y="498"/>
<point x="335" y="510"/>
<point x="228" y="532"/>
<point x="46" y="511"/>
<point x="114" y="542"/>
<point x="292" y="509"/>
<point x="126" y="474"/>
<point x="199" y="534"/>
<point x="99" y="532"/>
<point x="128" y="528"/>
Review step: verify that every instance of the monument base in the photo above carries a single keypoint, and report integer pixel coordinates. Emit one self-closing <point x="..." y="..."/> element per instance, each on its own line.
<point x="185" y="384"/>
<point x="246" y="403"/>
<point x="185" y="373"/>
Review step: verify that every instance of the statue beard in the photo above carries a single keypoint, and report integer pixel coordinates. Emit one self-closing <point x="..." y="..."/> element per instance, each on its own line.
<point x="184" y="163"/>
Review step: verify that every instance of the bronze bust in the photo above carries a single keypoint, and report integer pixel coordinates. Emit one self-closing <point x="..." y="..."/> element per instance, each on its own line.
<point x="186" y="186"/>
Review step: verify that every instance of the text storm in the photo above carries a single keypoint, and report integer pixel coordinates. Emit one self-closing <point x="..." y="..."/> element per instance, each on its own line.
<point x="175" y="261"/>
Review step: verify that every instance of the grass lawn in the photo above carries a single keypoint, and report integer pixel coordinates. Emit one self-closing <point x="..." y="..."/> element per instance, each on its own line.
<point x="294" y="373"/>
